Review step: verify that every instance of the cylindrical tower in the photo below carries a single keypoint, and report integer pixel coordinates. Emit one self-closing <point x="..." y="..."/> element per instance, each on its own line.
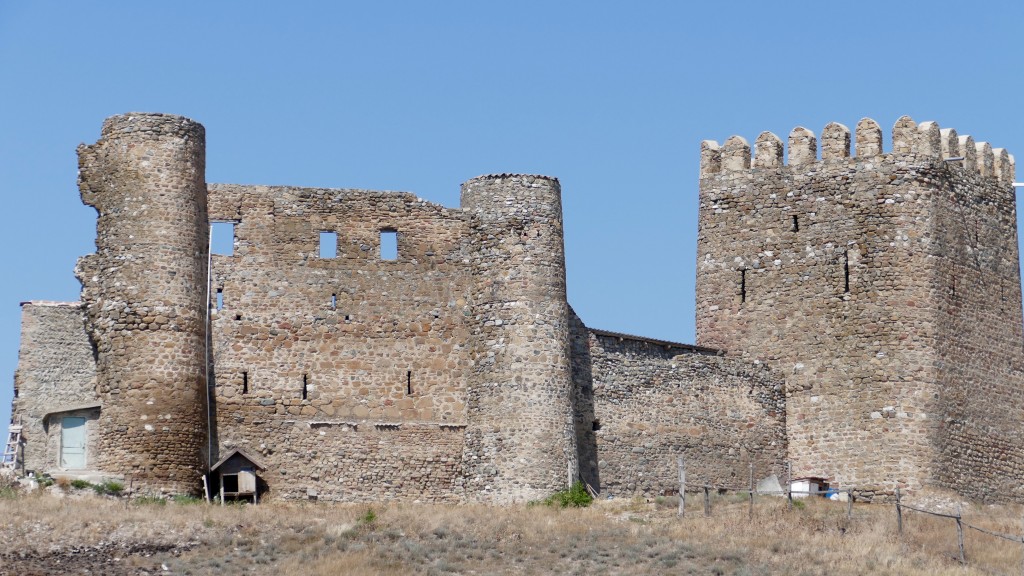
<point x="145" y="297"/>
<point x="520" y="443"/>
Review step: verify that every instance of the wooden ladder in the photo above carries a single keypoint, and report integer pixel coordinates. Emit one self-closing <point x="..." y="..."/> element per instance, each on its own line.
<point x="13" y="443"/>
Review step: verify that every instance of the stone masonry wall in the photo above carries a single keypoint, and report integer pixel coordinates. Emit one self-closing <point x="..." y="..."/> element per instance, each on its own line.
<point x="980" y="357"/>
<point x="520" y="443"/>
<point x="345" y="374"/>
<point x="883" y="287"/>
<point x="826" y="269"/>
<point x="56" y="375"/>
<point x="644" y="403"/>
<point x="144" y="295"/>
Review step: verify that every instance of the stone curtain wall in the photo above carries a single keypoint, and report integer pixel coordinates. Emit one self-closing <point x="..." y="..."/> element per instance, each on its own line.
<point x="144" y="293"/>
<point x="347" y="375"/>
<point x="520" y="443"/>
<point x="358" y="461"/>
<point x="826" y="269"/>
<point x="647" y="403"/>
<point x="56" y="371"/>
<point x="980" y="359"/>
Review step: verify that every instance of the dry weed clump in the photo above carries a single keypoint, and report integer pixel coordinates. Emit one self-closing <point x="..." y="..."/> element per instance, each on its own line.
<point x="610" y="537"/>
<point x="9" y="487"/>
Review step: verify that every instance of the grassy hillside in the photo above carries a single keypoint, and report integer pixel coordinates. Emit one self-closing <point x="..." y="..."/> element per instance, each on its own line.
<point x="84" y="533"/>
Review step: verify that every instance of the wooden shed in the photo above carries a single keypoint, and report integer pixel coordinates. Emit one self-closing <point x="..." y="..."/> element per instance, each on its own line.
<point x="237" y="473"/>
<point x="808" y="486"/>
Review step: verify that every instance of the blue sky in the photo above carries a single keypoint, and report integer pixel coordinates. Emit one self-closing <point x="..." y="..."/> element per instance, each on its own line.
<point x="612" y="98"/>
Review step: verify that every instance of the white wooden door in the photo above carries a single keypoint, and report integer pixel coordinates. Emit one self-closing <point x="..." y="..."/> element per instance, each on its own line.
<point x="72" y="443"/>
<point x="247" y="480"/>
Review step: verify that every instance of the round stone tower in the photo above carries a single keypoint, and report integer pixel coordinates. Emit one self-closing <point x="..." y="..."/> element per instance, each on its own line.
<point x="520" y="443"/>
<point x="144" y="292"/>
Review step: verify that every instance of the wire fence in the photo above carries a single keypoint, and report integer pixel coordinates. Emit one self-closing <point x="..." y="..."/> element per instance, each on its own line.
<point x="850" y="496"/>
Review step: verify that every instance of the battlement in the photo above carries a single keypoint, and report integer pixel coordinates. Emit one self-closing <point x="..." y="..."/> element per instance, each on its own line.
<point x="926" y="141"/>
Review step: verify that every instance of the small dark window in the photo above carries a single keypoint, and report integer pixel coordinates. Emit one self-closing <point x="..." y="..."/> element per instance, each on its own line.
<point x="595" y="425"/>
<point x="220" y="298"/>
<point x="796" y="223"/>
<point x="347" y="317"/>
<point x="230" y="483"/>
<point x="846" y="272"/>
<point x="328" y="244"/>
<point x="305" y="387"/>
<point x="743" y="285"/>
<point x="238" y="316"/>
<point x="389" y="244"/>
<point x="408" y="382"/>
<point x="222" y="238"/>
<point x="245" y="382"/>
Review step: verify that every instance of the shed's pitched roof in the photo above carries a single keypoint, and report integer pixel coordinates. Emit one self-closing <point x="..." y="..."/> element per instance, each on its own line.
<point x="241" y="453"/>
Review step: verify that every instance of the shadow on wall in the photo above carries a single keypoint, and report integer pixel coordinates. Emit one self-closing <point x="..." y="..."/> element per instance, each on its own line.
<point x="585" y="419"/>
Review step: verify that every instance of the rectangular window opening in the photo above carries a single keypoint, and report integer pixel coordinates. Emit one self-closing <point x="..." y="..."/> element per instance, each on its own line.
<point x="305" y="387"/>
<point x="846" y="272"/>
<point x="743" y="285"/>
<point x="220" y="298"/>
<point x="334" y="301"/>
<point x="222" y="238"/>
<point x="595" y="425"/>
<point x="389" y="244"/>
<point x="245" y="382"/>
<point x="796" y="223"/>
<point x="408" y="382"/>
<point x="230" y="483"/>
<point x="328" y="244"/>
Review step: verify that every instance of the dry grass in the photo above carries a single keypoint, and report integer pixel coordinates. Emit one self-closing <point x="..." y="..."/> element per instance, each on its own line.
<point x="612" y="537"/>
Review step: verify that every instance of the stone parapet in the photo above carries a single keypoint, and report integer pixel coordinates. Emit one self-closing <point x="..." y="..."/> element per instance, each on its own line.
<point x="926" y="141"/>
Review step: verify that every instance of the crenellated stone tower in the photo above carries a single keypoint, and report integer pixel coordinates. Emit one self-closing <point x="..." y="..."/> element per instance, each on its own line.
<point x="885" y="286"/>
<point x="144" y="295"/>
<point x="520" y="440"/>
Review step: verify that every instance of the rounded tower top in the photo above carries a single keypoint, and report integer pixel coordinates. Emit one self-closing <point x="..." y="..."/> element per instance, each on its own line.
<point x="151" y="124"/>
<point x="503" y="195"/>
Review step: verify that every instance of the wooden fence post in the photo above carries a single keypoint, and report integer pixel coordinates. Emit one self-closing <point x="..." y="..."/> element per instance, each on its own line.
<point x="681" y="464"/>
<point x="789" y="483"/>
<point x="960" y="534"/>
<point x="707" y="501"/>
<point x="899" y="512"/>
<point x="750" y="507"/>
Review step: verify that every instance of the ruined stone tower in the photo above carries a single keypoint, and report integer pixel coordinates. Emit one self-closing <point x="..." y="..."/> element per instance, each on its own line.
<point x="144" y="294"/>
<point x="520" y="439"/>
<point x="885" y="287"/>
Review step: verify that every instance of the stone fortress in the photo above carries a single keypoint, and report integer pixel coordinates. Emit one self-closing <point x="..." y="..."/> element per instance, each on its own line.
<point x="858" y="317"/>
